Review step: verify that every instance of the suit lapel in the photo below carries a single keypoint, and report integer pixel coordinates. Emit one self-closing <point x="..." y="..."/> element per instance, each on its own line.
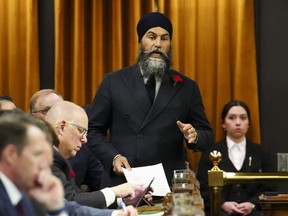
<point x="227" y="163"/>
<point x="165" y="94"/>
<point x="9" y="209"/>
<point x="5" y="204"/>
<point x="248" y="158"/>
<point x="135" y="84"/>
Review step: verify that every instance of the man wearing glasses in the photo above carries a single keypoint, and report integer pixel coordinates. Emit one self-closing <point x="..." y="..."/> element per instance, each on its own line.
<point x="88" y="169"/>
<point x="70" y="124"/>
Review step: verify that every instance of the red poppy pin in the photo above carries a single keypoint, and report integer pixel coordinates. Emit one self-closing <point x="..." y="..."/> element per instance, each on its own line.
<point x="72" y="174"/>
<point x="177" y="79"/>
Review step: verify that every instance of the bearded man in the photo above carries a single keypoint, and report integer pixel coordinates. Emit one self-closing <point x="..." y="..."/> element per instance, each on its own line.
<point x="148" y="109"/>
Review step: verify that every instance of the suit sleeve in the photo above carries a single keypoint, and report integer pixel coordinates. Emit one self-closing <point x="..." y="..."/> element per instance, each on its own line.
<point x="74" y="209"/>
<point x="73" y="193"/>
<point x="99" y="121"/>
<point x="199" y="121"/>
<point x="94" y="173"/>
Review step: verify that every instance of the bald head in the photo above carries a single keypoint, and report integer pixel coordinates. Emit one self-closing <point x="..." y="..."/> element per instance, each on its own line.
<point x="42" y="101"/>
<point x="65" y="110"/>
<point x="70" y="122"/>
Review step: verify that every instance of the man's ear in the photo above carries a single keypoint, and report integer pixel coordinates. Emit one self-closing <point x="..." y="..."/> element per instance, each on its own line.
<point x="61" y="127"/>
<point x="10" y="153"/>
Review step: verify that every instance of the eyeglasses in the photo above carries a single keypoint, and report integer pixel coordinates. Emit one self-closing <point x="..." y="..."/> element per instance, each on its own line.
<point x="82" y="131"/>
<point x="43" y="111"/>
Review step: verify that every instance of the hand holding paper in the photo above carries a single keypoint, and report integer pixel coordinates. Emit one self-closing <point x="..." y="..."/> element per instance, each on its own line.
<point x="143" y="175"/>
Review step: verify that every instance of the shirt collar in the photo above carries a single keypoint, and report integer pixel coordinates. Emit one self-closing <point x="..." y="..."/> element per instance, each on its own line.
<point x="13" y="193"/>
<point x="230" y="143"/>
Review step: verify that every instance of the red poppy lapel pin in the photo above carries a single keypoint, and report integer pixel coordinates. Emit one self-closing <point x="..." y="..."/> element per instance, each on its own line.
<point x="176" y="79"/>
<point x="72" y="174"/>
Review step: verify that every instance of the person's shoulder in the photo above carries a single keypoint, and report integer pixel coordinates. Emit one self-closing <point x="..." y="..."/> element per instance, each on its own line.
<point x="122" y="71"/>
<point x="185" y="78"/>
<point x="253" y="145"/>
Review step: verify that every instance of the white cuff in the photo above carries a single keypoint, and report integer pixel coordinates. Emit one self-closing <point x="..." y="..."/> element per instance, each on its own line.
<point x="109" y="196"/>
<point x="115" y="213"/>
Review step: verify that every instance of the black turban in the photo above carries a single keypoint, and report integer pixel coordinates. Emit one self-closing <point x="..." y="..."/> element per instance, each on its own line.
<point x="151" y="20"/>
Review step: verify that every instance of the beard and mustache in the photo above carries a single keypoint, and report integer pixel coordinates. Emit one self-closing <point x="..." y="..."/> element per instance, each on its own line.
<point x="154" y="66"/>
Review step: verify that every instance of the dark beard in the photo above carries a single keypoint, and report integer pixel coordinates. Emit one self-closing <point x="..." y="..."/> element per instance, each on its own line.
<point x="150" y="66"/>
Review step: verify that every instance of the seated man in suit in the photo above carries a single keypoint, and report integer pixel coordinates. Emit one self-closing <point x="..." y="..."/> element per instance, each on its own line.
<point x="87" y="168"/>
<point x="26" y="165"/>
<point x="25" y="159"/>
<point x="70" y="122"/>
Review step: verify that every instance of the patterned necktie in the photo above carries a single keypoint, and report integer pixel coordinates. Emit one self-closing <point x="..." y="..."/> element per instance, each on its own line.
<point x="150" y="86"/>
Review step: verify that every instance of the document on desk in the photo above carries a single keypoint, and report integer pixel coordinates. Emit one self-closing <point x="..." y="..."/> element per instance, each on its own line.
<point x="143" y="175"/>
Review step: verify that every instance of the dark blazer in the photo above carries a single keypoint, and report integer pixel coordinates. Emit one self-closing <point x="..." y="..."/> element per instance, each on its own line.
<point x="87" y="168"/>
<point x="74" y="209"/>
<point x="256" y="160"/>
<point x="145" y="135"/>
<point x="61" y="169"/>
<point x="8" y="209"/>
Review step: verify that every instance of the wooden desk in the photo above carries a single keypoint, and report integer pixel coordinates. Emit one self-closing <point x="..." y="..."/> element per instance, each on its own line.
<point x="274" y="205"/>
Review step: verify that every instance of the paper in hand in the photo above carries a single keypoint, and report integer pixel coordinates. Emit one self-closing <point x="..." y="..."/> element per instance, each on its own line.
<point x="143" y="176"/>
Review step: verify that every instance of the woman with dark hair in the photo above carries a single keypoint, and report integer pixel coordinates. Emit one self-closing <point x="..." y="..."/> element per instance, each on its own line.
<point x="238" y="155"/>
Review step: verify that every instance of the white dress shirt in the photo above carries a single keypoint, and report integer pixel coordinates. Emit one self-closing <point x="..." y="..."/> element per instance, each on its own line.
<point x="13" y="193"/>
<point x="236" y="152"/>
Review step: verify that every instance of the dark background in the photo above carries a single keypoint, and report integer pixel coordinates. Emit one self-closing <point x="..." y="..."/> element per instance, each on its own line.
<point x="272" y="60"/>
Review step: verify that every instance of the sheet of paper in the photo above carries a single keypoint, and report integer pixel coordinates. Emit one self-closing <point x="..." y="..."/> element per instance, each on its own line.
<point x="143" y="175"/>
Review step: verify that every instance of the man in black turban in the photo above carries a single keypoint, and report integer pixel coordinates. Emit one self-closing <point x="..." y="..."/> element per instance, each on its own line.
<point x="148" y="108"/>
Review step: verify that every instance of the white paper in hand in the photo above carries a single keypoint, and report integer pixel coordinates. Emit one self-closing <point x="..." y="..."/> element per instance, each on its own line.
<point x="143" y="175"/>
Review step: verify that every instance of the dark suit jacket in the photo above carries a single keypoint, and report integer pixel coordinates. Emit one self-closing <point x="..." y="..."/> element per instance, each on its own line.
<point x="260" y="161"/>
<point x="6" y="207"/>
<point x="145" y="135"/>
<point x="61" y="169"/>
<point x="74" y="209"/>
<point x="88" y="169"/>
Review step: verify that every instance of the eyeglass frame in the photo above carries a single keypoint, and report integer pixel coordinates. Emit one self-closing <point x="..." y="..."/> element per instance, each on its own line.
<point x="80" y="128"/>
<point x="43" y="111"/>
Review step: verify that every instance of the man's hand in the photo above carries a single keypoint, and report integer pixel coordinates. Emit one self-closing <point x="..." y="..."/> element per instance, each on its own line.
<point x="138" y="191"/>
<point x="48" y="190"/>
<point x="130" y="211"/>
<point x="124" y="190"/>
<point x="120" y="162"/>
<point x="188" y="131"/>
